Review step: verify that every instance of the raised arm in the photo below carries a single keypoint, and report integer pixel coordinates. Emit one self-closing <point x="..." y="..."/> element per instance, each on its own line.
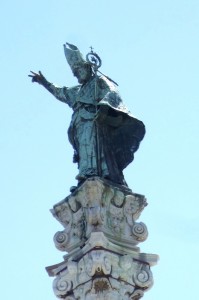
<point x="60" y="93"/>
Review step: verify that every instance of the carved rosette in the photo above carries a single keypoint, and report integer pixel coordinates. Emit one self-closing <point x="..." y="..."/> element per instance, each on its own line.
<point x="100" y="235"/>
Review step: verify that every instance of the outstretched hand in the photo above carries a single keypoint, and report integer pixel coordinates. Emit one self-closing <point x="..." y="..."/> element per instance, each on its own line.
<point x="37" y="77"/>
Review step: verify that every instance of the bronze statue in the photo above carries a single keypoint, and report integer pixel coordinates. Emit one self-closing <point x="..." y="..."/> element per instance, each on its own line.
<point x="102" y="131"/>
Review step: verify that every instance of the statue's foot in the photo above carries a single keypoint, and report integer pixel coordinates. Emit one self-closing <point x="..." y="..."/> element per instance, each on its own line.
<point x="73" y="188"/>
<point x="86" y="173"/>
<point x="81" y="177"/>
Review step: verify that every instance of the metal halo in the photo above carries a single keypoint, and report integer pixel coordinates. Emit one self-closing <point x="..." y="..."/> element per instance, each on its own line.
<point x="94" y="60"/>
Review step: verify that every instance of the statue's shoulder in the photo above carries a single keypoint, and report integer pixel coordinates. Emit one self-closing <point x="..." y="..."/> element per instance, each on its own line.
<point x="71" y="91"/>
<point x="69" y="94"/>
<point x="75" y="88"/>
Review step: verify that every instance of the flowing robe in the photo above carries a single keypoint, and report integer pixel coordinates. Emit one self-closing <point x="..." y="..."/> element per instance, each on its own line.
<point x="102" y="131"/>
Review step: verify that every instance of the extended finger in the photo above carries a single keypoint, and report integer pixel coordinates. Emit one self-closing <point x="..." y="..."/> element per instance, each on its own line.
<point x="33" y="73"/>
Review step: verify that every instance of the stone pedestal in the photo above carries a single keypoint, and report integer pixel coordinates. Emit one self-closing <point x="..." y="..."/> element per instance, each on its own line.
<point x="100" y="237"/>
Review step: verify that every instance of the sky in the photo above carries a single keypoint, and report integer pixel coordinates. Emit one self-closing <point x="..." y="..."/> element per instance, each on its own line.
<point x="151" y="49"/>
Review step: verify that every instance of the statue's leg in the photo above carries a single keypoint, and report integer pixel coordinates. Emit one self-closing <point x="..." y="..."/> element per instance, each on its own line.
<point x="89" y="155"/>
<point x="86" y="137"/>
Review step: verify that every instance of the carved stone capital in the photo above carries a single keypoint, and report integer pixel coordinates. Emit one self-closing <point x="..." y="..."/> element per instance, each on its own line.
<point x="101" y="234"/>
<point x="100" y="207"/>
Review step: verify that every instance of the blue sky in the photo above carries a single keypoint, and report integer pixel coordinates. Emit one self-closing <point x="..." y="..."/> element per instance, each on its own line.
<point x="151" y="49"/>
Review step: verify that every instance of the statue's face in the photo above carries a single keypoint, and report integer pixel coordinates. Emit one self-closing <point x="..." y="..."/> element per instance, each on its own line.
<point x="82" y="73"/>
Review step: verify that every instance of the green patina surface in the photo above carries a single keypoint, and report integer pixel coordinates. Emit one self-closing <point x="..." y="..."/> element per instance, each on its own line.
<point x="102" y="131"/>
